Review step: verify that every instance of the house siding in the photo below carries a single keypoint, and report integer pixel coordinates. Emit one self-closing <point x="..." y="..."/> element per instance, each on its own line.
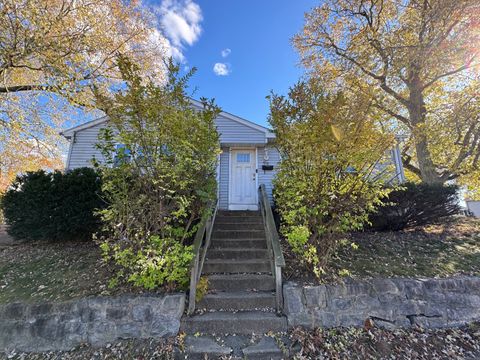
<point x="266" y="177"/>
<point x="224" y="176"/>
<point x="390" y="167"/>
<point x="83" y="148"/>
<point x="232" y="132"/>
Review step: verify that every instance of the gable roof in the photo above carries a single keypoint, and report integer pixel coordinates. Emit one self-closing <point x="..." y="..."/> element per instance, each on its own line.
<point x="197" y="104"/>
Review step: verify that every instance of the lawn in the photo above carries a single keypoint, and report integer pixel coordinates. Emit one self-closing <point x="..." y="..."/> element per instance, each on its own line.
<point x="50" y="271"/>
<point x="448" y="249"/>
<point x="37" y="272"/>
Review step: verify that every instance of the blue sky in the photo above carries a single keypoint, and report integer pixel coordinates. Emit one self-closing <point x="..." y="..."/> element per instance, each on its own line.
<point x="255" y="37"/>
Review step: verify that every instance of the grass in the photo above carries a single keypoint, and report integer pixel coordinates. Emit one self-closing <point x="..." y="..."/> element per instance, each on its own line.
<point x="452" y="248"/>
<point x="39" y="272"/>
<point x="46" y="271"/>
<point x="448" y="249"/>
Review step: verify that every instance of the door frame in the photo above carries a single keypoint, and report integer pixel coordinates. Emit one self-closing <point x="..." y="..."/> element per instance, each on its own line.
<point x="238" y="206"/>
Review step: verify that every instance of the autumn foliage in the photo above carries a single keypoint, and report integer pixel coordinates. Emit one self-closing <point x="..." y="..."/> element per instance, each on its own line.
<point x="160" y="181"/>
<point x="53" y="54"/>
<point x="331" y="175"/>
<point x="418" y="61"/>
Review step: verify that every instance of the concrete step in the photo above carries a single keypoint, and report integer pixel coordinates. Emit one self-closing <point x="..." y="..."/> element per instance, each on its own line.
<point x="229" y="226"/>
<point x="239" y="243"/>
<point x="236" y="266"/>
<point x="237" y="253"/>
<point x="238" y="219"/>
<point x="239" y="213"/>
<point x="238" y="234"/>
<point x="204" y="347"/>
<point x="241" y="282"/>
<point x="222" y="322"/>
<point x="266" y="348"/>
<point x="241" y="300"/>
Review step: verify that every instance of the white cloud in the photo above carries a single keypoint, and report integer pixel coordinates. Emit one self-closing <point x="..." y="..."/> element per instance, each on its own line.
<point x="180" y="21"/>
<point x="221" y="69"/>
<point x="226" y="52"/>
<point x="174" y="52"/>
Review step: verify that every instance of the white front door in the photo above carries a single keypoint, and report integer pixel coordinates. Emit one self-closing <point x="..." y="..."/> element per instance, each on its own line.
<point x="243" y="184"/>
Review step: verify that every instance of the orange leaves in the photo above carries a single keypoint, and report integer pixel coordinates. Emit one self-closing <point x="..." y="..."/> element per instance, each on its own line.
<point x="19" y="157"/>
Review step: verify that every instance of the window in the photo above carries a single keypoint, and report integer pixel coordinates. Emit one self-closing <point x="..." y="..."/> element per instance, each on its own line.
<point x="243" y="157"/>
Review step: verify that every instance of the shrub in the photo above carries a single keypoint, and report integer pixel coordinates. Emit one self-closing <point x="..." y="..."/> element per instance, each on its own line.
<point x="327" y="182"/>
<point x="53" y="206"/>
<point x="415" y="205"/>
<point x="158" y="182"/>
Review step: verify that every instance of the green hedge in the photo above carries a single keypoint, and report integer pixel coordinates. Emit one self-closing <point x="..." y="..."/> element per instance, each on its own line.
<point x="416" y="205"/>
<point x="53" y="206"/>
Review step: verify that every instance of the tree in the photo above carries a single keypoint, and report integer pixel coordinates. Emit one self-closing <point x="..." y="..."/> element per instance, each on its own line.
<point x="21" y="157"/>
<point x="54" y="52"/>
<point x="160" y="158"/>
<point x="331" y="174"/>
<point x="418" y="60"/>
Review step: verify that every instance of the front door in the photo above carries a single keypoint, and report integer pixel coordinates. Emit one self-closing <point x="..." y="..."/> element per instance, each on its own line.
<point x="243" y="184"/>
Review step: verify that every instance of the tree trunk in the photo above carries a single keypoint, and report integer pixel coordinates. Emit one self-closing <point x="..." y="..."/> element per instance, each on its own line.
<point x="417" y="112"/>
<point x="425" y="164"/>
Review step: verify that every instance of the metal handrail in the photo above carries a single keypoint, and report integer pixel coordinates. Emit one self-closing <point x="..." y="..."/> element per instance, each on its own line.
<point x="273" y="243"/>
<point x="201" y="244"/>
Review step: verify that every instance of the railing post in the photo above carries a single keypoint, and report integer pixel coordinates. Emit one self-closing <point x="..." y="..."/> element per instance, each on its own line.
<point x="193" y="287"/>
<point x="278" y="289"/>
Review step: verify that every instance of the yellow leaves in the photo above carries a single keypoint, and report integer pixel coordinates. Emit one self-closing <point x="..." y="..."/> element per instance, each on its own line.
<point x="21" y="156"/>
<point x="337" y="132"/>
<point x="63" y="48"/>
<point x="61" y="39"/>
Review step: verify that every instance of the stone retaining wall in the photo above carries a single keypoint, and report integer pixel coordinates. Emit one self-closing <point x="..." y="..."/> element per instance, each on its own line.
<point x="97" y="320"/>
<point x="389" y="302"/>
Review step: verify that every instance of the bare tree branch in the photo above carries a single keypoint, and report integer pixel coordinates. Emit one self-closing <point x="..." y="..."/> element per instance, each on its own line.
<point x="449" y="73"/>
<point x="17" y="88"/>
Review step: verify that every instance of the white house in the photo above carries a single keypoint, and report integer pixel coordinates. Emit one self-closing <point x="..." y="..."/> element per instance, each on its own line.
<point x="249" y="157"/>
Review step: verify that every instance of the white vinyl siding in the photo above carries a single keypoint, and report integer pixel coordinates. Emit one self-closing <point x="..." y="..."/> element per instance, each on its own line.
<point x="224" y="176"/>
<point x="266" y="177"/>
<point x="83" y="148"/>
<point x="390" y="167"/>
<point x="232" y="132"/>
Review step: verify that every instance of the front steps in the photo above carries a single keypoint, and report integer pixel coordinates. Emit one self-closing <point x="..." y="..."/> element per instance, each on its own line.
<point x="245" y="300"/>
<point x="234" y="282"/>
<point x="241" y="322"/>
<point x="236" y="266"/>
<point x="241" y="292"/>
<point x="237" y="253"/>
<point x="235" y="347"/>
